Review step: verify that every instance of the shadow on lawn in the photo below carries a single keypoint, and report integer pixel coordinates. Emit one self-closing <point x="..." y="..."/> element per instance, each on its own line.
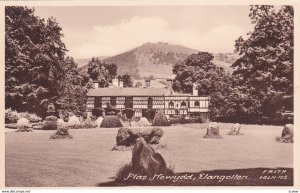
<point x="236" y="177"/>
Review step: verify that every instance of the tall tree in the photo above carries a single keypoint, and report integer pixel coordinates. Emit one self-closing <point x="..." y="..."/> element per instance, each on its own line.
<point x="210" y="80"/>
<point x="101" y="72"/>
<point x="33" y="51"/>
<point x="71" y="90"/>
<point x="127" y="81"/>
<point x="265" y="66"/>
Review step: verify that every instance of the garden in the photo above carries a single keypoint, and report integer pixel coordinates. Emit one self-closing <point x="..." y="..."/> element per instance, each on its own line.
<point x="81" y="152"/>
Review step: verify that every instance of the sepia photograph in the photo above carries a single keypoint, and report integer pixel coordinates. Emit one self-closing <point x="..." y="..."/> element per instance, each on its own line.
<point x="149" y="95"/>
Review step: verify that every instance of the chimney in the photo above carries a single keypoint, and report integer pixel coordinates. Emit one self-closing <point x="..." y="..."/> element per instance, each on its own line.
<point x="96" y="84"/>
<point x="115" y="82"/>
<point x="147" y="83"/>
<point x="121" y="83"/>
<point x="169" y="83"/>
<point x="195" y="90"/>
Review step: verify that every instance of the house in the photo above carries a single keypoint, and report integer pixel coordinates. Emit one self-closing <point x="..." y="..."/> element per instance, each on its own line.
<point x="141" y="99"/>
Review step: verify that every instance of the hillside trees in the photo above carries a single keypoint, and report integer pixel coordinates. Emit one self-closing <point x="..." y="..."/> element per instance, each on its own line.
<point x="33" y="51"/>
<point x="264" y="70"/>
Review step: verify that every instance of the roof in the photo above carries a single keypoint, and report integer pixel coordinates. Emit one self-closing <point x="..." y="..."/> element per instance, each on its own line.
<point x="132" y="91"/>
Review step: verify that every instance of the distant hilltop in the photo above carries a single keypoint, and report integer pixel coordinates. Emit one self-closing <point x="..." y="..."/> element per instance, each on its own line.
<point x="156" y="59"/>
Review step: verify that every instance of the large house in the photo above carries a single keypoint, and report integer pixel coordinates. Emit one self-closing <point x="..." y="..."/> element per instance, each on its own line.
<point x="141" y="99"/>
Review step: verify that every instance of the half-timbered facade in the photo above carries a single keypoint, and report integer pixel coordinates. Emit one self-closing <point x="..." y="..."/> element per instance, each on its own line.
<point x="142" y="99"/>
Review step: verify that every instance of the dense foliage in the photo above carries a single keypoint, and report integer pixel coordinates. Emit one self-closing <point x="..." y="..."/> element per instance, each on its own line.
<point x="265" y="67"/>
<point x="101" y="72"/>
<point x="38" y="73"/>
<point x="33" y="52"/>
<point x="261" y="86"/>
<point x="127" y="81"/>
<point x="199" y="71"/>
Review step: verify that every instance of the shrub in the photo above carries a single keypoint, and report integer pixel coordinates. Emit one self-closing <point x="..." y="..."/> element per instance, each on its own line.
<point x="74" y="121"/>
<point x="136" y="118"/>
<point x="61" y="123"/>
<point x="144" y="122"/>
<point x="88" y="124"/>
<point x="50" y="123"/>
<point x="160" y="119"/>
<point x="150" y="114"/>
<point x="111" y="121"/>
<point x="51" y="118"/>
<point x="31" y="117"/>
<point x="23" y="122"/>
<point x="97" y="112"/>
<point x="11" y="116"/>
<point x="129" y="113"/>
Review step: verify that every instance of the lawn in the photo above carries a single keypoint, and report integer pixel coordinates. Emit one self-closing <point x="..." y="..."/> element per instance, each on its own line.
<point x="32" y="159"/>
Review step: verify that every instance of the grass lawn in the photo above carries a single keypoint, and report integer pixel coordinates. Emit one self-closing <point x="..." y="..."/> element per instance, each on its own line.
<point x="32" y="159"/>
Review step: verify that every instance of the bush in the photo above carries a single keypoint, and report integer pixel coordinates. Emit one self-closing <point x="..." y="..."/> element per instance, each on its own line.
<point x="150" y="114"/>
<point x="23" y="122"/>
<point x="31" y="117"/>
<point x="61" y="123"/>
<point x="12" y="116"/>
<point x="51" y="118"/>
<point x="88" y="124"/>
<point x="144" y="122"/>
<point x="74" y="121"/>
<point x="50" y="123"/>
<point x="129" y="113"/>
<point x="160" y="119"/>
<point x="111" y="121"/>
<point x="97" y="112"/>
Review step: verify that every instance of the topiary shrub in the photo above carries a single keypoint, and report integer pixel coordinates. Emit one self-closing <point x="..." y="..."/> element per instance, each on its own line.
<point x="23" y="125"/>
<point x="74" y="122"/>
<point x="111" y="121"/>
<point x="128" y="113"/>
<point x="143" y="122"/>
<point x="50" y="123"/>
<point x="97" y="112"/>
<point x="160" y="119"/>
<point x="150" y="114"/>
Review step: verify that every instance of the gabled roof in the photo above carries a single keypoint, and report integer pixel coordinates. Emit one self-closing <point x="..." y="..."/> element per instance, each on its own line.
<point x="132" y="91"/>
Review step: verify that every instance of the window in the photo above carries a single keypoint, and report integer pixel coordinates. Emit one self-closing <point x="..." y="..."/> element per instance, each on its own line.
<point x="197" y="104"/>
<point x="150" y="103"/>
<point x="113" y="101"/>
<point x="171" y="105"/>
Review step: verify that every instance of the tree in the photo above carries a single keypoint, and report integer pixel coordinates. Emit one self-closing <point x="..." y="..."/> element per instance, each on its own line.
<point x="265" y="68"/>
<point x="72" y="90"/>
<point x="210" y="80"/>
<point x="101" y="72"/>
<point x="33" y="51"/>
<point x="127" y="81"/>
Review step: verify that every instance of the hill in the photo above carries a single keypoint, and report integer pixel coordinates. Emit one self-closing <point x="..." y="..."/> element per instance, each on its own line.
<point x="157" y="59"/>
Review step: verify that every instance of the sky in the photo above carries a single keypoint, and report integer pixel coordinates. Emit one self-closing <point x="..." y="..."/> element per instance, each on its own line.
<point x="110" y="30"/>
